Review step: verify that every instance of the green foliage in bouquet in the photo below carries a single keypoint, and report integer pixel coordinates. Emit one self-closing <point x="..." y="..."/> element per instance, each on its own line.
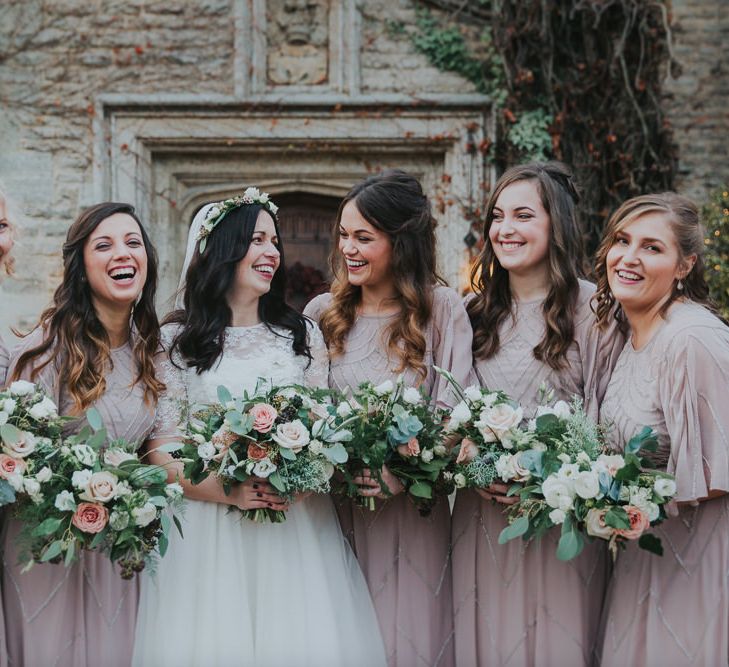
<point x="715" y="218"/>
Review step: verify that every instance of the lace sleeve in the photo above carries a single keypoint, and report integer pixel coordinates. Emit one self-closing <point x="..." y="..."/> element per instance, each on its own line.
<point x="317" y="374"/>
<point x="172" y="400"/>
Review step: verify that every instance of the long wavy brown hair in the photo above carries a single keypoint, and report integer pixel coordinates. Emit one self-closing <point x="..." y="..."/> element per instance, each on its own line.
<point x="74" y="337"/>
<point x="393" y="202"/>
<point x="565" y="260"/>
<point x="682" y="216"/>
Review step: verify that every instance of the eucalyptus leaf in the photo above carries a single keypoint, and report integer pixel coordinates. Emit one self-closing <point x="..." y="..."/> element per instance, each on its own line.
<point x="421" y="490"/>
<point x="10" y="434"/>
<point x="166" y="524"/>
<point x="335" y="453"/>
<point x="286" y="454"/>
<point x="277" y="482"/>
<point x="178" y="525"/>
<point x="93" y="417"/>
<point x="570" y="545"/>
<point x="7" y="493"/>
<point x="70" y="553"/>
<point x="47" y="527"/>
<point x="100" y="537"/>
<point x="224" y="396"/>
<point x="53" y="550"/>
<point x="162" y="543"/>
<point x="515" y="529"/>
<point x="148" y="475"/>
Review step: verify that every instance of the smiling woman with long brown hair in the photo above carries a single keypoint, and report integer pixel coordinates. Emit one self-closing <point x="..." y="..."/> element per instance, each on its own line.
<point x="93" y="347"/>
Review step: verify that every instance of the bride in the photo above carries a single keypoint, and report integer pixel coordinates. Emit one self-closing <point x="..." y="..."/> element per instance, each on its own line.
<point x="234" y="592"/>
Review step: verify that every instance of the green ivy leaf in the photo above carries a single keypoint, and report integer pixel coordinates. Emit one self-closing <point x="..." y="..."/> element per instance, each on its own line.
<point x="651" y="543"/>
<point x="421" y="490"/>
<point x="617" y="517"/>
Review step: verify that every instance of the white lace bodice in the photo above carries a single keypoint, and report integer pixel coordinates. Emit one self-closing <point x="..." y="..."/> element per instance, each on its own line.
<point x="250" y="355"/>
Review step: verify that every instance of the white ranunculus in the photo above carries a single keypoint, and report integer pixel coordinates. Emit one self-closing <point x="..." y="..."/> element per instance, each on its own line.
<point x="101" y="487"/>
<point x="385" y="388"/>
<point x="21" y="388"/>
<point x="344" y="409"/>
<point x="8" y="405"/>
<point x="412" y="396"/>
<point x="587" y="484"/>
<point x="426" y="455"/>
<point x="665" y="487"/>
<point x="65" y="502"/>
<point x="292" y="435"/>
<point x="80" y="478"/>
<point x="557" y="516"/>
<point x="144" y="515"/>
<point x="44" y="474"/>
<point x="595" y="525"/>
<point x="641" y="498"/>
<point x="118" y="520"/>
<point x="557" y="493"/>
<point x="473" y="393"/>
<point x="264" y="468"/>
<point x="206" y="451"/>
<point x="315" y="446"/>
<point x="21" y="448"/>
<point x="43" y="409"/>
<point x="84" y="454"/>
<point x="175" y="490"/>
<point x="460" y="480"/>
<point x="31" y="486"/>
<point x="499" y="419"/>
<point x="116" y="456"/>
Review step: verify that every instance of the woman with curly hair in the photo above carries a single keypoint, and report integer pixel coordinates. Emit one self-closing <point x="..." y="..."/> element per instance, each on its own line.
<point x="6" y="261"/>
<point x="94" y="347"/>
<point x="673" y="376"/>
<point x="388" y="314"/>
<point x="516" y="604"/>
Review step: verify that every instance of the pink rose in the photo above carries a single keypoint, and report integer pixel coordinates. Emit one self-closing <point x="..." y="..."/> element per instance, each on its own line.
<point x="257" y="452"/>
<point x="467" y="452"/>
<point x="10" y="466"/>
<point x="263" y="417"/>
<point x="90" y="517"/>
<point x="639" y="522"/>
<point x="410" y="448"/>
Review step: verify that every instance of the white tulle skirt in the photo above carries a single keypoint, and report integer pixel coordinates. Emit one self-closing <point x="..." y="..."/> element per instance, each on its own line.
<point x="234" y="592"/>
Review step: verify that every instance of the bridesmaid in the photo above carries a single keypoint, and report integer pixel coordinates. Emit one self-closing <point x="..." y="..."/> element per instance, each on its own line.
<point x="93" y="347"/>
<point x="6" y="261"/>
<point x="672" y="375"/>
<point x="516" y="604"/>
<point x="387" y="314"/>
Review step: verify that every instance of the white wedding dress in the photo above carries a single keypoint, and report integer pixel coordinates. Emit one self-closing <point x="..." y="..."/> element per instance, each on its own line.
<point x="234" y="592"/>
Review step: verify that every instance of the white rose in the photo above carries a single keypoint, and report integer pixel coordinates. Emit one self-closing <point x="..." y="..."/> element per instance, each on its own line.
<point x="118" y="520"/>
<point x="31" y="486"/>
<point x="595" y="525"/>
<point x="460" y="480"/>
<point x="665" y="487"/>
<point x="65" y="502"/>
<point x="101" y="487"/>
<point x="175" y="490"/>
<point x="315" y="446"/>
<point x="84" y="454"/>
<point x="144" y="515"/>
<point x="344" y="409"/>
<point x="264" y="468"/>
<point x="557" y="516"/>
<point x="8" y="405"/>
<point x="385" y="388"/>
<point x="43" y="409"/>
<point x="505" y="467"/>
<point x="116" y="456"/>
<point x="557" y="493"/>
<point x="427" y="455"/>
<point x="21" y="388"/>
<point x="206" y="451"/>
<point x="44" y="474"/>
<point x="80" y="478"/>
<point x="412" y="396"/>
<point x="587" y="484"/>
<point x="293" y="435"/>
<point x="473" y="393"/>
<point x="461" y="413"/>
<point x="499" y="419"/>
<point x="22" y="447"/>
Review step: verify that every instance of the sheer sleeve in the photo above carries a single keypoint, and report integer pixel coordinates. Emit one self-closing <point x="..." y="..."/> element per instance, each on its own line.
<point x="48" y="377"/>
<point x="317" y="373"/>
<point x="692" y="389"/>
<point x="317" y="306"/>
<point x="173" y="399"/>
<point x="4" y="362"/>
<point x="451" y="344"/>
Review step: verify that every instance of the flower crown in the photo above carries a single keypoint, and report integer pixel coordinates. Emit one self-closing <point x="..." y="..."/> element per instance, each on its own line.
<point x="219" y="210"/>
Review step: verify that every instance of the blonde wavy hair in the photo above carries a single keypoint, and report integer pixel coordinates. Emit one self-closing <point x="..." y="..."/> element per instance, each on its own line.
<point x="8" y="262"/>
<point x="393" y="202"/>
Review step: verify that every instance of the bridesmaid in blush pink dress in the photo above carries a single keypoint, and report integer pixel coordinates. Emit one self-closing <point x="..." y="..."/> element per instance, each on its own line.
<point x="93" y="347"/>
<point x="387" y="315"/>
<point x="516" y="604"/>
<point x="673" y="376"/>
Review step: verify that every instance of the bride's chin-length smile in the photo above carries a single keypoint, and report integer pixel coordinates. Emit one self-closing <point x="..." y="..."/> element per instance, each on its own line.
<point x="367" y="251"/>
<point x="256" y="270"/>
<point x="115" y="261"/>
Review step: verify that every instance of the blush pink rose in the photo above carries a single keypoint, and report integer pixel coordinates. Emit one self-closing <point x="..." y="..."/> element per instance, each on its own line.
<point x="467" y="452"/>
<point x="410" y="448"/>
<point x="10" y="466"/>
<point x="639" y="523"/>
<point x="264" y="415"/>
<point x="90" y="517"/>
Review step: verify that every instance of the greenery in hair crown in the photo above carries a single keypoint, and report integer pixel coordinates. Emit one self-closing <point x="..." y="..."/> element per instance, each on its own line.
<point x="218" y="211"/>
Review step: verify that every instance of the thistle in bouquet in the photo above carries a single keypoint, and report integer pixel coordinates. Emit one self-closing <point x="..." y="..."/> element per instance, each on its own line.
<point x="28" y="419"/>
<point x="289" y="436"/>
<point x="395" y="426"/>
<point x="87" y="492"/>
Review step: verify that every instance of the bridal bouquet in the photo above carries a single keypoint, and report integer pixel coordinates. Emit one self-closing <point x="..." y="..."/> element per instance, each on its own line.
<point x="28" y="419"/>
<point x="86" y="492"/>
<point x="394" y="426"/>
<point x="291" y="436"/>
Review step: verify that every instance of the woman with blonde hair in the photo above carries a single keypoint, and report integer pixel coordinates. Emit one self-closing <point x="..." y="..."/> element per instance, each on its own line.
<point x="7" y="233"/>
<point x="94" y="346"/>
<point x="388" y="314"/>
<point x="533" y="334"/>
<point x="673" y="376"/>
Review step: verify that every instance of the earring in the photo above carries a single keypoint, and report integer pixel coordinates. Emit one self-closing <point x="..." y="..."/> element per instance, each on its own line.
<point x="679" y="285"/>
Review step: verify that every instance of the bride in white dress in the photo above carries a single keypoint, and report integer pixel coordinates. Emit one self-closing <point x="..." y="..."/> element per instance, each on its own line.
<point x="234" y="592"/>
